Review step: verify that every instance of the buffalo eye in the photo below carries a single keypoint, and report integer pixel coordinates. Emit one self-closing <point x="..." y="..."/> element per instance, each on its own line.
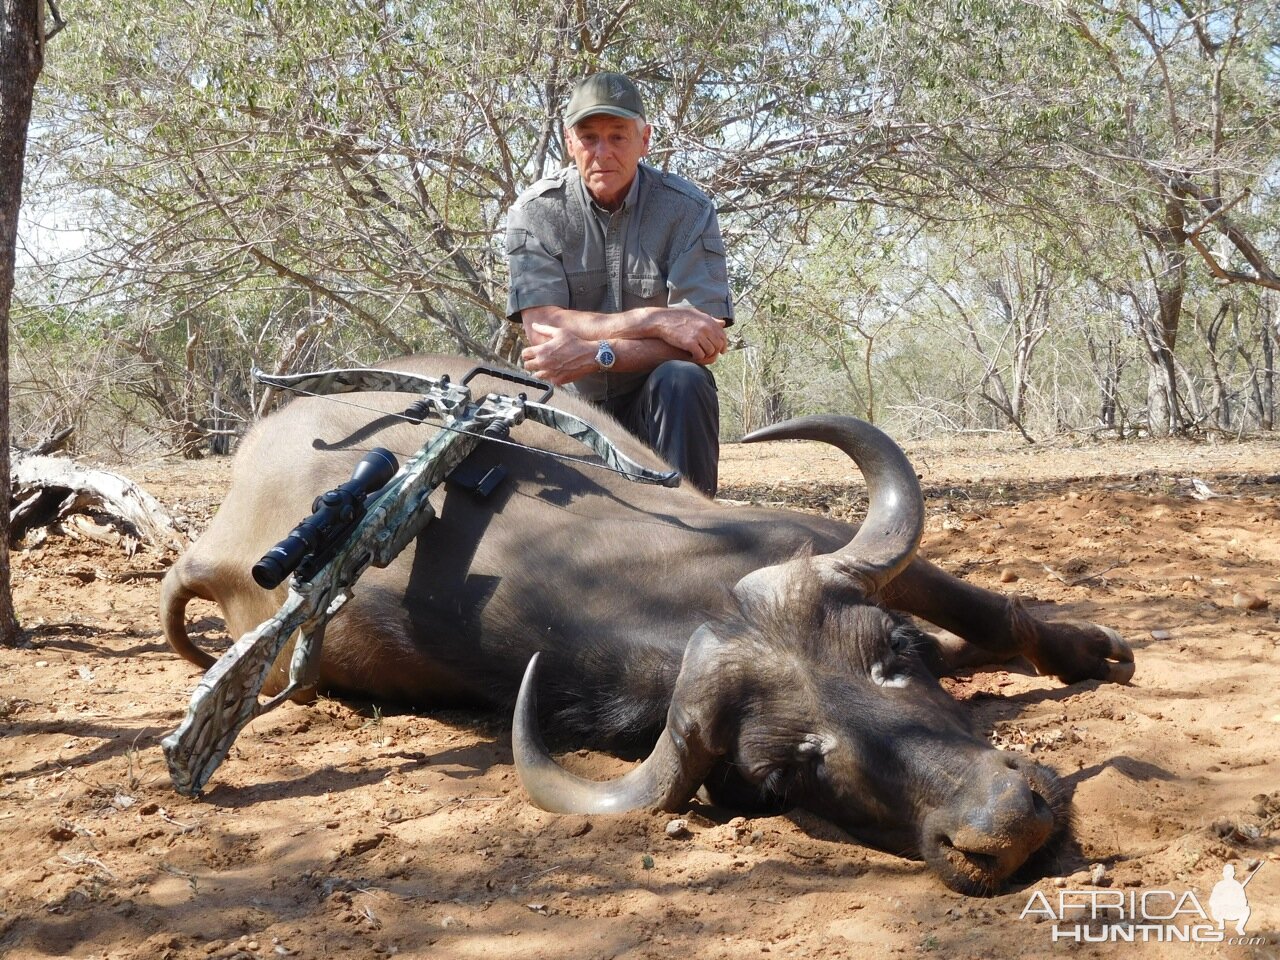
<point x="894" y="669"/>
<point x="901" y="641"/>
<point x="802" y="769"/>
<point x="776" y="782"/>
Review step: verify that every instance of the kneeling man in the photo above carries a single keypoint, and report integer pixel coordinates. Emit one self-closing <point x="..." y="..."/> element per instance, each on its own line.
<point x="618" y="275"/>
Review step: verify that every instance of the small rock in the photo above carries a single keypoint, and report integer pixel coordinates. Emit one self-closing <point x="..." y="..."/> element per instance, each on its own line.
<point x="678" y="828"/>
<point x="1008" y="575"/>
<point x="1161" y="635"/>
<point x="1098" y="876"/>
<point x="1249" y="601"/>
<point x="647" y="862"/>
<point x="987" y="547"/>
<point x="364" y="844"/>
<point x="581" y="828"/>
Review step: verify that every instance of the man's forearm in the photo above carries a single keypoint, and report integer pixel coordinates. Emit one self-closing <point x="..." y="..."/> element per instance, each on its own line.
<point x="559" y="357"/>
<point x="688" y="330"/>
<point x="634" y="324"/>
<point x="641" y="356"/>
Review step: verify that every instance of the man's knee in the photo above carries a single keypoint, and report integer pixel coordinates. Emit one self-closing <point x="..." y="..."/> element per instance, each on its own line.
<point x="682" y="416"/>
<point x="682" y="381"/>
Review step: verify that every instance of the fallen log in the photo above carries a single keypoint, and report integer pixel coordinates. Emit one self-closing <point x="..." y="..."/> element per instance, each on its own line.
<point x="48" y="490"/>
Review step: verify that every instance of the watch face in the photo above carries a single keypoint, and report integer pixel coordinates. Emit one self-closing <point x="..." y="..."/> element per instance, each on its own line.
<point x="604" y="356"/>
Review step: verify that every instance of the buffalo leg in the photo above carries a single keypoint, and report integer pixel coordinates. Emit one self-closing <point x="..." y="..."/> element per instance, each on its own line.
<point x="1001" y="628"/>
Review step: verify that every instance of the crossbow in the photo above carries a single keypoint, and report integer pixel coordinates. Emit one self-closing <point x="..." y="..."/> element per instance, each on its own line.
<point x="365" y="522"/>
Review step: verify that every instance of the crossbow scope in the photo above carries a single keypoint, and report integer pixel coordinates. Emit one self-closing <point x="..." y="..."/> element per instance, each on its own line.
<point x="333" y="514"/>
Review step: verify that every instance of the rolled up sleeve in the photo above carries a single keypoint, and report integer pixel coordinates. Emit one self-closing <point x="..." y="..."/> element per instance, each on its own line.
<point x="537" y="277"/>
<point x="699" y="277"/>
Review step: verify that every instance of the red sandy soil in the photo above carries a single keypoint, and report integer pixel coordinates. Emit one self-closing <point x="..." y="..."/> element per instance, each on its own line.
<point x="337" y="829"/>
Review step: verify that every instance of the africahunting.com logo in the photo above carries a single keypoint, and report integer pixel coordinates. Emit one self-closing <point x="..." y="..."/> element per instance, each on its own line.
<point x="1142" y="916"/>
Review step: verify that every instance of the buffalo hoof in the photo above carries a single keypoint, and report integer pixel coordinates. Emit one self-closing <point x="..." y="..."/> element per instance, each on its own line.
<point x="1073" y="650"/>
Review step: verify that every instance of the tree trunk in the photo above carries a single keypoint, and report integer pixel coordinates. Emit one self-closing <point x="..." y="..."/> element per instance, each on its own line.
<point x="21" y="57"/>
<point x="1110" y="386"/>
<point x="1221" y="401"/>
<point x="1160" y="331"/>
<point x="1268" y="400"/>
<point x="1107" y="368"/>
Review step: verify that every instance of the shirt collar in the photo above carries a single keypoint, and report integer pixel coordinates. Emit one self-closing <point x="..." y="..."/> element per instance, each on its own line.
<point x="628" y="202"/>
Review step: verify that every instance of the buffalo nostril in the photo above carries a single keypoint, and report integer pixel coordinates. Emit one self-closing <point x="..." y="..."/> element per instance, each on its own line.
<point x="967" y="860"/>
<point x="1041" y="806"/>
<point x="1011" y="820"/>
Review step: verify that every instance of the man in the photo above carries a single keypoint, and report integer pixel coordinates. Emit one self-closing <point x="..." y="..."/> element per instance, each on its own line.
<point x="618" y="275"/>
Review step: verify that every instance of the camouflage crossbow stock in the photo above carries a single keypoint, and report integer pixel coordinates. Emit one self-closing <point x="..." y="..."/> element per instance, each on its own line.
<point x="227" y="697"/>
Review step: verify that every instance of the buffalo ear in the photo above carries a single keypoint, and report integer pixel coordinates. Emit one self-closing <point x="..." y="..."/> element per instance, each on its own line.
<point x="726" y="787"/>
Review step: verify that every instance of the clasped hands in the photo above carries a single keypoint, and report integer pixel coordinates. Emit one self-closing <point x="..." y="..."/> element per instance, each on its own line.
<point x="561" y="353"/>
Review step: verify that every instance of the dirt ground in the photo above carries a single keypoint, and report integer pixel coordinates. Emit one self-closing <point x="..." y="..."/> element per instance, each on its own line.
<point x="338" y="829"/>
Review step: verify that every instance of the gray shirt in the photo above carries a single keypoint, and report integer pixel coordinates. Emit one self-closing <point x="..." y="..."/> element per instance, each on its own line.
<point x="661" y="248"/>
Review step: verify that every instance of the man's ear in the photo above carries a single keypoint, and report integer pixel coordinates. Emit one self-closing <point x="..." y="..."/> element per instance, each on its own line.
<point x="644" y="137"/>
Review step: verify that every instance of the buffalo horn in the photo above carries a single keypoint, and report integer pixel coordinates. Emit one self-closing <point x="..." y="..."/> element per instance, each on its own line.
<point x="665" y="780"/>
<point x="889" y="536"/>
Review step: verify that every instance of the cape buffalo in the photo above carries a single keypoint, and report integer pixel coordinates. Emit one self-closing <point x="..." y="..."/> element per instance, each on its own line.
<point x="760" y="650"/>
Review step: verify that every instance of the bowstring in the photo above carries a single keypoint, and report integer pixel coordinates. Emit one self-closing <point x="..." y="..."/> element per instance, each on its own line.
<point x="441" y="425"/>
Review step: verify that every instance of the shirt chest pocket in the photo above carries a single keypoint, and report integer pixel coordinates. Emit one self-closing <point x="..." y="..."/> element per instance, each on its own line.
<point x="644" y="281"/>
<point x="587" y="289"/>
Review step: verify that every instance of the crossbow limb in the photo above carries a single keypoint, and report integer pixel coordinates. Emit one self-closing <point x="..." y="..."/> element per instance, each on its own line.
<point x="227" y="697"/>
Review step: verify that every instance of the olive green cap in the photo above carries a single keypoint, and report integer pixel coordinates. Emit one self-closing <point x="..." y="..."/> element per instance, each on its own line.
<point x="610" y="93"/>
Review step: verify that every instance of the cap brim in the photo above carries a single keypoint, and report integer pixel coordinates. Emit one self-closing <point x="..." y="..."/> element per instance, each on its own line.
<point x="576" y="118"/>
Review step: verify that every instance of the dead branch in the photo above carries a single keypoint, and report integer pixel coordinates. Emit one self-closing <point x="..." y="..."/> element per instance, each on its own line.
<point x="50" y="489"/>
<point x="50" y="444"/>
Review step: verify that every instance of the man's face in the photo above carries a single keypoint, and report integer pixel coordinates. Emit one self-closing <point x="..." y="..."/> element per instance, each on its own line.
<point x="607" y="151"/>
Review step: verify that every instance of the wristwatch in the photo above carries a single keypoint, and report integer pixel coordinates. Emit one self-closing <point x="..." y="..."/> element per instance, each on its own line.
<point x="605" y="356"/>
